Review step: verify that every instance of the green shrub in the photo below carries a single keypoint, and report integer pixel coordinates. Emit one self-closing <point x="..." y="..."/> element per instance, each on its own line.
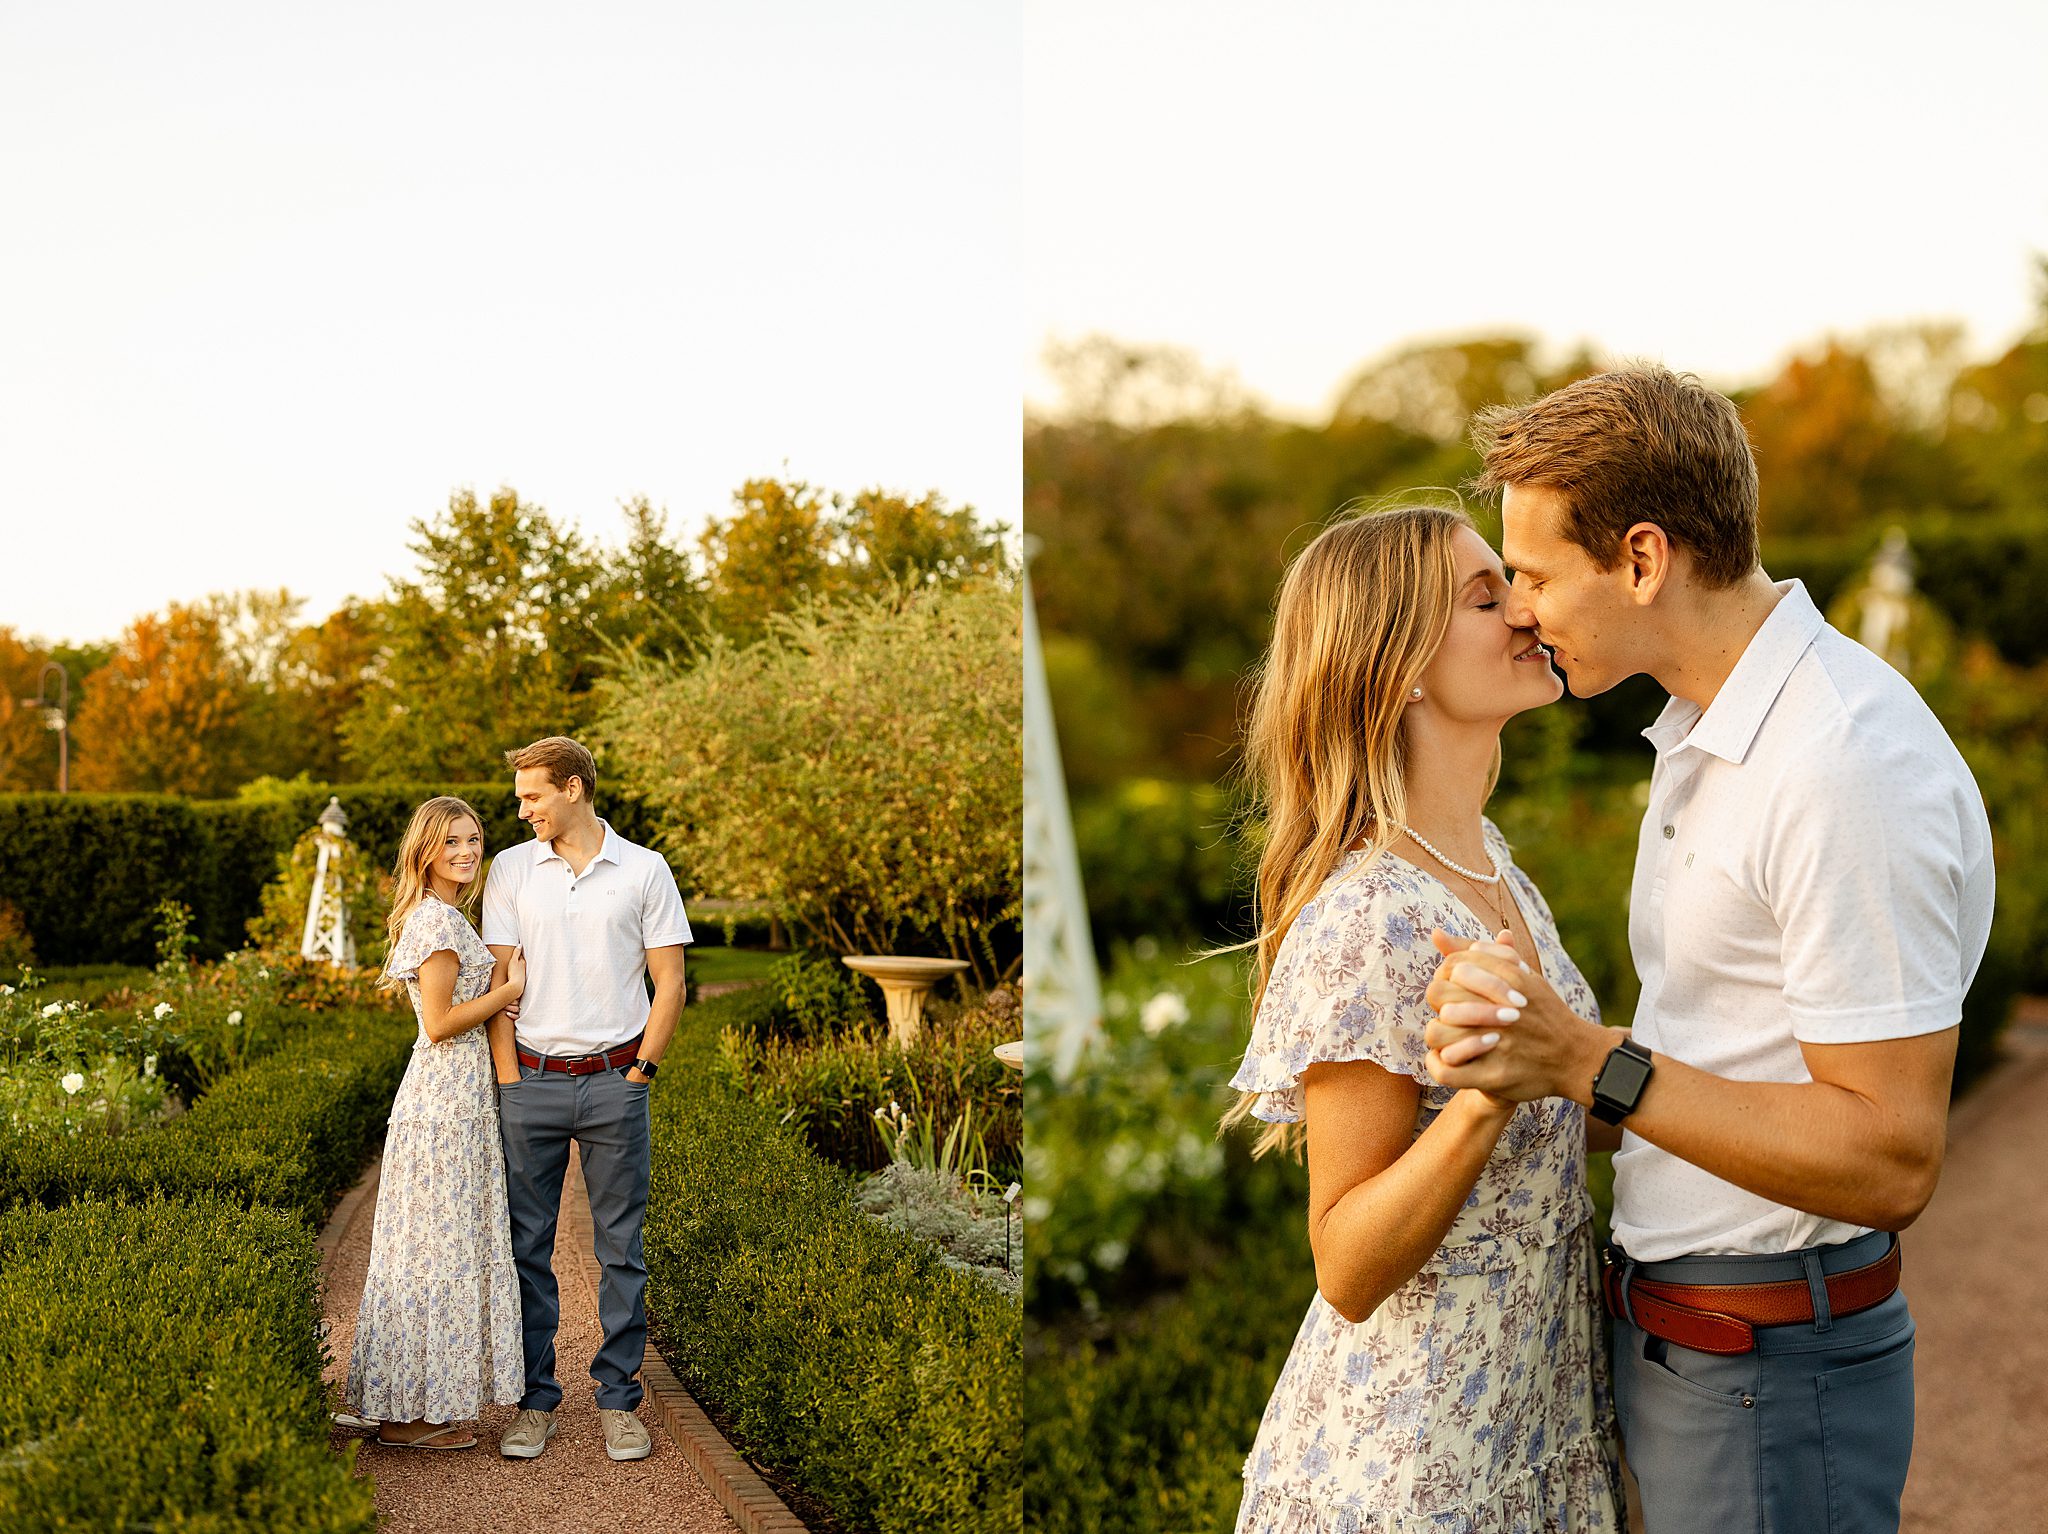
<point x="859" y="771"/>
<point x="1157" y="859"/>
<point x="973" y="1228"/>
<point x="291" y="1132"/>
<point x="88" y="870"/>
<point x="819" y="997"/>
<point x="831" y="1089"/>
<point x="163" y="1371"/>
<point x="851" y="1356"/>
<point x="1145" y="1430"/>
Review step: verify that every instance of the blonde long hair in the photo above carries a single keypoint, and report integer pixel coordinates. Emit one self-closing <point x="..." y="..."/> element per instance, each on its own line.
<point x="1362" y="611"/>
<point x="416" y="851"/>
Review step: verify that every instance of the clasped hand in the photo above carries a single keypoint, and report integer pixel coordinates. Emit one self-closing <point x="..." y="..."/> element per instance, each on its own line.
<point x="1500" y="1028"/>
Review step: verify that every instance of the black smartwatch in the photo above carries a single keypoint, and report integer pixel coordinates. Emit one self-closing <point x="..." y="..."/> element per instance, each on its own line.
<point x="1619" y="1086"/>
<point x="646" y="1068"/>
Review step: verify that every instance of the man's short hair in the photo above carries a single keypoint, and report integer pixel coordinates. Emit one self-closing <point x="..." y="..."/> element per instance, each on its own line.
<point x="562" y="758"/>
<point x="1639" y="444"/>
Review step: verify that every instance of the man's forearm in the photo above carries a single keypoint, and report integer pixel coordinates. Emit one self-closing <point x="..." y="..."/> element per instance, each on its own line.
<point x="1808" y="1145"/>
<point x="662" y="1017"/>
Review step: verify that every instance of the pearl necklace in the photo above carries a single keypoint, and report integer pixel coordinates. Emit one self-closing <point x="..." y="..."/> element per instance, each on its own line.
<point x="1457" y="868"/>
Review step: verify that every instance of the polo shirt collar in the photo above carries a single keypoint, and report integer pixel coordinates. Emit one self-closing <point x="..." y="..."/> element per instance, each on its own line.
<point x="1728" y="727"/>
<point x="607" y="851"/>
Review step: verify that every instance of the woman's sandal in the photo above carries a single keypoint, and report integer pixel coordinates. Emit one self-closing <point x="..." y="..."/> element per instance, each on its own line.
<point x="426" y="1440"/>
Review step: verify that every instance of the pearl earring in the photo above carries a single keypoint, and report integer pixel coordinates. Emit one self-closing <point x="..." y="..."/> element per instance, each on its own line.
<point x="1415" y="693"/>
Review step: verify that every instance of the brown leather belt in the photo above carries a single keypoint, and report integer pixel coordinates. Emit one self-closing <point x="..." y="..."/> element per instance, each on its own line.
<point x="581" y="1065"/>
<point x="1722" y="1318"/>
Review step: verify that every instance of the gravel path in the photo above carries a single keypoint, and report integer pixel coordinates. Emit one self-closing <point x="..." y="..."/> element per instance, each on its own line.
<point x="1974" y="1265"/>
<point x="572" y="1488"/>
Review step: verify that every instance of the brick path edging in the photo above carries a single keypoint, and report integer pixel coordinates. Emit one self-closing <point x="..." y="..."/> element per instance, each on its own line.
<point x="750" y="1501"/>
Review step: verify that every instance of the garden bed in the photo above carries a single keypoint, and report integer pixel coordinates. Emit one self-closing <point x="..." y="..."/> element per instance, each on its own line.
<point x="847" y="1356"/>
<point x="163" y="1371"/>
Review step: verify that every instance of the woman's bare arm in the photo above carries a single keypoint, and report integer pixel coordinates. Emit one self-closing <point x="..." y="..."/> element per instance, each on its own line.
<point x="442" y="1019"/>
<point x="1380" y="1203"/>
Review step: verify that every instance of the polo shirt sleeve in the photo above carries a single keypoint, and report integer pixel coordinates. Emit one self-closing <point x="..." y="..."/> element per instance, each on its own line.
<point x="1863" y="865"/>
<point x="662" y="922"/>
<point x="501" y="915"/>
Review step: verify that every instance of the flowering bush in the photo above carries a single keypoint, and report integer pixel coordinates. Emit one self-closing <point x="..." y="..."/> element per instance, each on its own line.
<point x="1125" y="1181"/>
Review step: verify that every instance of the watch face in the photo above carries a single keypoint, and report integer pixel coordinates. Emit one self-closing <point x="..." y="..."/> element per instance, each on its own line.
<point x="1623" y="1077"/>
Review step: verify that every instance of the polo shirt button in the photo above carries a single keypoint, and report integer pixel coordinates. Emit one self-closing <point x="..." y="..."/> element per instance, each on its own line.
<point x="1669" y="832"/>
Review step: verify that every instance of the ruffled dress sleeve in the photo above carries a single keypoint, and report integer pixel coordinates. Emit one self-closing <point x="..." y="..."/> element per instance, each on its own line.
<point x="1347" y="985"/>
<point x="428" y="929"/>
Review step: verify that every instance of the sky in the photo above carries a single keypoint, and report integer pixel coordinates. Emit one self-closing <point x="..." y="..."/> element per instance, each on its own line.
<point x="1294" y="189"/>
<point x="277" y="279"/>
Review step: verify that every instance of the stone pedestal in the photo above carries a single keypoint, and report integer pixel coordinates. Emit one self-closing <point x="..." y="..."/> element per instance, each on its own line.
<point x="904" y="983"/>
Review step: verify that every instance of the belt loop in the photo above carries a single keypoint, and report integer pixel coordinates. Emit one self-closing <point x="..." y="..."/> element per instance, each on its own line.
<point x="1817" y="1285"/>
<point x="1628" y="1272"/>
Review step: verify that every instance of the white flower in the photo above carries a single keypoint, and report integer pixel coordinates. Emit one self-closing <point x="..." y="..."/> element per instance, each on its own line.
<point x="72" y="1083"/>
<point x="234" y="1018"/>
<point x="163" y="1010"/>
<point x="149" y="1065"/>
<point x="1164" y="1011"/>
<point x="6" y="990"/>
<point x="53" y="1009"/>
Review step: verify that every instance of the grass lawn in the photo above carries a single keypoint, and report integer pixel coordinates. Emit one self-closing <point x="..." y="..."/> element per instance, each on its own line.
<point x="712" y="965"/>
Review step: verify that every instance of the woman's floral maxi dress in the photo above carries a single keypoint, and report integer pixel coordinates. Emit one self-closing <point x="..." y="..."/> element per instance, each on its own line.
<point x="1475" y="1399"/>
<point x="438" y="1329"/>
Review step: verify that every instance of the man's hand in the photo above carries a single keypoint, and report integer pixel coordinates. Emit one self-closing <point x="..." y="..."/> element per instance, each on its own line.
<point x="1503" y="1030"/>
<point x="633" y="1075"/>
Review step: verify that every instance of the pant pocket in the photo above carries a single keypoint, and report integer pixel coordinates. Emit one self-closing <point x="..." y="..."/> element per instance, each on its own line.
<point x="1690" y="1431"/>
<point x="1866" y="1425"/>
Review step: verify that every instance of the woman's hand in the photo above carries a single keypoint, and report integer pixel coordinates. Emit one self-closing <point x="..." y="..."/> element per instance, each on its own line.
<point x="515" y="972"/>
<point x="1534" y="1045"/>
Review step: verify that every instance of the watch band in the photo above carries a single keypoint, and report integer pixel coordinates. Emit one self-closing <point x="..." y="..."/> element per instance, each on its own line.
<point x="646" y="1068"/>
<point x="1619" y="1086"/>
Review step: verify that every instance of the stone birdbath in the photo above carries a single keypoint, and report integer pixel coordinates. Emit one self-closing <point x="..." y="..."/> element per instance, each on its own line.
<point x="904" y="983"/>
<point x="1011" y="1054"/>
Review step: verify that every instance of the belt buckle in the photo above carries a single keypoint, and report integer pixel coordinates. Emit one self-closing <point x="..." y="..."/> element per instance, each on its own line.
<point x="583" y="1065"/>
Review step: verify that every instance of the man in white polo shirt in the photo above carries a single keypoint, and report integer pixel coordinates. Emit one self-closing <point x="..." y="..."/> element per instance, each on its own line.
<point x="1812" y="896"/>
<point x="597" y="917"/>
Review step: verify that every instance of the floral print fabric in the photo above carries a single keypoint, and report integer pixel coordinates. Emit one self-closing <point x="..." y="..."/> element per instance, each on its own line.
<point x="438" y="1330"/>
<point x="1476" y="1399"/>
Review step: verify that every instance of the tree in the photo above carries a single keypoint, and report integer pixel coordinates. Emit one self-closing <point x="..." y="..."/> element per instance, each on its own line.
<point x="650" y="593"/>
<point x="788" y="544"/>
<point x="166" y="714"/>
<point x="28" y="749"/>
<point x="487" y="648"/>
<point x="860" y="769"/>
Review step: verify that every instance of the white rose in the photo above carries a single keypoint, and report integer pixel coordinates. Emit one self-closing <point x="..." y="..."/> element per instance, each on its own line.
<point x="234" y="1018"/>
<point x="53" y="1009"/>
<point x="163" y="1010"/>
<point x="1164" y="1011"/>
<point x="72" y="1083"/>
<point x="149" y="1065"/>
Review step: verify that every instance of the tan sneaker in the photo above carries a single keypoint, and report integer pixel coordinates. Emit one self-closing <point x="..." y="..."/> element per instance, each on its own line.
<point x="528" y="1434"/>
<point x="625" y="1435"/>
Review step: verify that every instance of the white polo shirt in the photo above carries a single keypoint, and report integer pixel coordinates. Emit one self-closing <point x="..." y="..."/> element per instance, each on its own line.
<point x="1815" y="866"/>
<point x="586" y="938"/>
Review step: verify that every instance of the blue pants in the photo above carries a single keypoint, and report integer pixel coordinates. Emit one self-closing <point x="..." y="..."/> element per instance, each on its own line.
<point x="606" y="1115"/>
<point x="1808" y="1434"/>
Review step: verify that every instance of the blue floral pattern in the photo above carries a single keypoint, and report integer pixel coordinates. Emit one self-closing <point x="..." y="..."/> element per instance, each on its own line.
<point x="439" y="1325"/>
<point x="1476" y="1399"/>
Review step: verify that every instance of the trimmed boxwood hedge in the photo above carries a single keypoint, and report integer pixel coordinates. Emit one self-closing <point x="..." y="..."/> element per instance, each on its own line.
<point x="291" y="1131"/>
<point x="163" y="1372"/>
<point x="850" y="1356"/>
<point x="1147" y="1433"/>
<point x="88" y="870"/>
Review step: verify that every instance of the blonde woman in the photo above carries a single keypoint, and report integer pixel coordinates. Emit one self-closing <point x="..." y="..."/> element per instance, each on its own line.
<point x="1449" y="1373"/>
<point x="438" y="1331"/>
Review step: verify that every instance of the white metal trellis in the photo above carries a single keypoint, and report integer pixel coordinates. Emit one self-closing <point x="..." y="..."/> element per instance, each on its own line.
<point x="1062" y="992"/>
<point x="327" y="935"/>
